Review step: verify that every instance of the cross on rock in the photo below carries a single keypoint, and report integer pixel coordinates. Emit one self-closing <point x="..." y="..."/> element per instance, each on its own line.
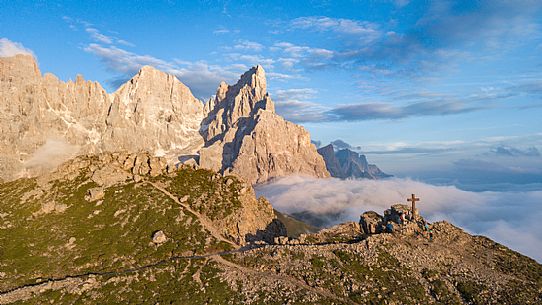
<point x="413" y="199"/>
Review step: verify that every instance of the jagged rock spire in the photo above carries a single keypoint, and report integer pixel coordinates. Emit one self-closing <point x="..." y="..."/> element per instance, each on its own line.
<point x="241" y="100"/>
<point x="245" y="136"/>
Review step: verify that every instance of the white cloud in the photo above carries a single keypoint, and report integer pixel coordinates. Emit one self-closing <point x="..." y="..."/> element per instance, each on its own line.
<point x="283" y="76"/>
<point x="251" y="60"/>
<point x="122" y="61"/>
<point x="304" y="55"/>
<point x="367" y="31"/>
<point x="297" y="51"/>
<point x="294" y="94"/>
<point x="10" y="48"/>
<point x="96" y="35"/>
<point x="51" y="154"/>
<point x="221" y="31"/>
<point x="511" y="218"/>
<point x="248" y="45"/>
<point x="295" y="105"/>
<point x="201" y="77"/>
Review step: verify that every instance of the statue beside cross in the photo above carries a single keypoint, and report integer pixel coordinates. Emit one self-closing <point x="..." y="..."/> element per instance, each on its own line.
<point x="413" y="199"/>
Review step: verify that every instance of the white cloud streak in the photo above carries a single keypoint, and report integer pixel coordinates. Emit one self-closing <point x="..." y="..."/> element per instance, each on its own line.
<point x="338" y="25"/>
<point x="248" y="45"/>
<point x="201" y="77"/>
<point x="96" y="35"/>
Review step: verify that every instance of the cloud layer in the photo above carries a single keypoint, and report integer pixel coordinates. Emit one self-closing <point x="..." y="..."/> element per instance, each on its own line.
<point x="511" y="218"/>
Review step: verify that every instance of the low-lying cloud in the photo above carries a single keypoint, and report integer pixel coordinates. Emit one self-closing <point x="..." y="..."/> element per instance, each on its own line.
<point x="510" y="218"/>
<point x="50" y="155"/>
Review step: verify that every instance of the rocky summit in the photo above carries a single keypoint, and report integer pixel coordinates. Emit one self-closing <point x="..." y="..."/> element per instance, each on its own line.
<point x="46" y="121"/>
<point x="244" y="135"/>
<point x="123" y="228"/>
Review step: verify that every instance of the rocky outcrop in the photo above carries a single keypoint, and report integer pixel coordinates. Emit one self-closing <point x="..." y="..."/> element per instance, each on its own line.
<point x="174" y="238"/>
<point x="371" y="223"/>
<point x="332" y="163"/>
<point x="224" y="203"/>
<point x="345" y="163"/>
<point x="246" y="137"/>
<point x="48" y="121"/>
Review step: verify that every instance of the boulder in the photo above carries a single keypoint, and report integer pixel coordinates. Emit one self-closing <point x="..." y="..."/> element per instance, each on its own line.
<point x="371" y="222"/>
<point x="95" y="194"/>
<point x="159" y="237"/>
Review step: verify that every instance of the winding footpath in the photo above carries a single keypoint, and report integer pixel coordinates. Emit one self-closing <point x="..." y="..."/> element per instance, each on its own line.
<point x="70" y="282"/>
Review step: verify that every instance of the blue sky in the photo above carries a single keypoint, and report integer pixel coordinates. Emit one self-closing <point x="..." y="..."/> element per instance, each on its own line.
<point x="430" y="90"/>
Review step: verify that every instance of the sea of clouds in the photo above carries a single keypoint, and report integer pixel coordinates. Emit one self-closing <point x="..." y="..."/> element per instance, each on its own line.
<point x="510" y="218"/>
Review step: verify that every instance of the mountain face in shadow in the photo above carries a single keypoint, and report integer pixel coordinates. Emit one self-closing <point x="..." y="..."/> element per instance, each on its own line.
<point x="345" y="163"/>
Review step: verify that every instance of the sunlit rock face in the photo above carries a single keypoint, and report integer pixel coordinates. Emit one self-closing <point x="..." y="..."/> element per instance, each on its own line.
<point x="154" y="111"/>
<point x="46" y="121"/>
<point x="245" y="136"/>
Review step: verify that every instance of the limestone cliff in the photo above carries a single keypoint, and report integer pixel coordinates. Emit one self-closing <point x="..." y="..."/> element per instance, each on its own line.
<point x="154" y="111"/>
<point x="46" y="121"/>
<point x="61" y="118"/>
<point x="245" y="136"/>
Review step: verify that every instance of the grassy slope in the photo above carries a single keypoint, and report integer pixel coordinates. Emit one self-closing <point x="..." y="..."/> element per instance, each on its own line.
<point x="110" y="235"/>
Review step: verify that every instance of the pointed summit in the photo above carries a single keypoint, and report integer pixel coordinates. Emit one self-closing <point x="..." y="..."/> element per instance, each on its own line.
<point x="154" y="110"/>
<point x="149" y="78"/>
<point x="231" y="103"/>
<point x="254" y="78"/>
<point x="149" y="69"/>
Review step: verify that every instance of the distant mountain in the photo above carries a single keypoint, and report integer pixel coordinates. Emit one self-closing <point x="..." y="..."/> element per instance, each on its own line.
<point x="345" y="163"/>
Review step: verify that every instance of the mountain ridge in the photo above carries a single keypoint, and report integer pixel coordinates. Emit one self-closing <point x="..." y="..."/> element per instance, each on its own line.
<point x="153" y="111"/>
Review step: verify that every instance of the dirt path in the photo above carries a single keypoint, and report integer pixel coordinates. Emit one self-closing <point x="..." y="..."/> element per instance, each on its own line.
<point x="206" y="222"/>
<point x="71" y="282"/>
<point x="29" y="291"/>
<point x="282" y="278"/>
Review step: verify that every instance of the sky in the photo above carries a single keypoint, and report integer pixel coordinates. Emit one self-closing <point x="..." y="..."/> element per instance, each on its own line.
<point x="447" y="92"/>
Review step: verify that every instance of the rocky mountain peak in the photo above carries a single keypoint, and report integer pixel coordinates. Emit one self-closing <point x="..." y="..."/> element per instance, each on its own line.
<point x="149" y="75"/>
<point x="20" y="66"/>
<point x="245" y="136"/>
<point x="154" y="112"/>
<point x="254" y="78"/>
<point x="232" y="103"/>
